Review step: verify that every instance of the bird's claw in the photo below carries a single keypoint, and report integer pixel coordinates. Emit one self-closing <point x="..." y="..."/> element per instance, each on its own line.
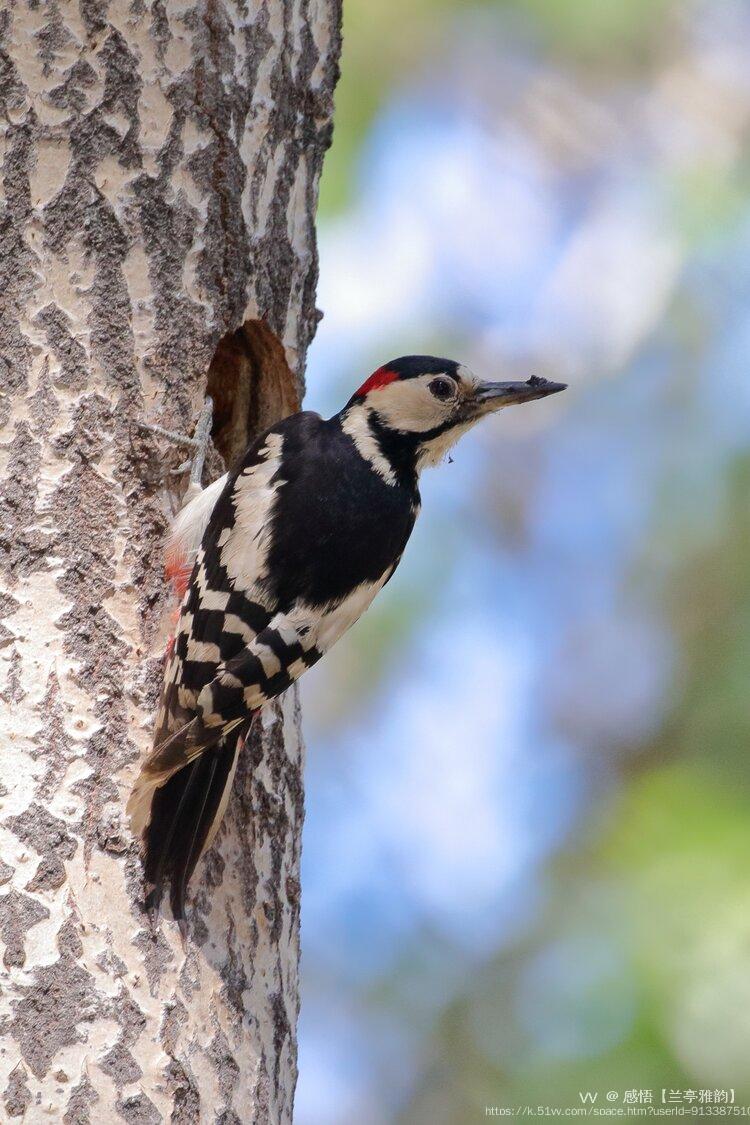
<point x="199" y="441"/>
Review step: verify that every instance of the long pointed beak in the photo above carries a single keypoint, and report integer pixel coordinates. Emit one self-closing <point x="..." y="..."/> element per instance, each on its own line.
<point x="495" y="395"/>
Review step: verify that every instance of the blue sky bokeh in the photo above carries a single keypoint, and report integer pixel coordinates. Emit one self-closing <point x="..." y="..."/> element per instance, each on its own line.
<point x="486" y="749"/>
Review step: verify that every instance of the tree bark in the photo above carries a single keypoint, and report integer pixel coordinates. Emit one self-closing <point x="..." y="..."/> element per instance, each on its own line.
<point x="160" y="164"/>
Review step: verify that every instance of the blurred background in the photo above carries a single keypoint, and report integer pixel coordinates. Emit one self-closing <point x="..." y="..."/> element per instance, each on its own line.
<point x="527" y="847"/>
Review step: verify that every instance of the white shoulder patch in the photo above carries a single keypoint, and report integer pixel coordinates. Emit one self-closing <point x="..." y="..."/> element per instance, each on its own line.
<point x="244" y="546"/>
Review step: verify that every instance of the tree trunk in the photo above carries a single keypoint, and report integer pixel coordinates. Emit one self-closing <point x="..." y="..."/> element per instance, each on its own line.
<point x="160" y="164"/>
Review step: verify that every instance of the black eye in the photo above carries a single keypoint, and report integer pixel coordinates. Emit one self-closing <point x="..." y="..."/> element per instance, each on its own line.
<point x="443" y="388"/>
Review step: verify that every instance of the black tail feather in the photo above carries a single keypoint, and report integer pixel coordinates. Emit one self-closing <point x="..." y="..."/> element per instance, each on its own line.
<point x="198" y="831"/>
<point x="163" y="815"/>
<point x="166" y="811"/>
<point x="183" y="811"/>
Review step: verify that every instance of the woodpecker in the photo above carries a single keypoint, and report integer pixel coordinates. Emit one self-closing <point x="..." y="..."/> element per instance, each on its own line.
<point x="274" y="562"/>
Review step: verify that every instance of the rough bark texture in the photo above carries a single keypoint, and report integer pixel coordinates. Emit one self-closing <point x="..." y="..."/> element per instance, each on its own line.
<point x="159" y="180"/>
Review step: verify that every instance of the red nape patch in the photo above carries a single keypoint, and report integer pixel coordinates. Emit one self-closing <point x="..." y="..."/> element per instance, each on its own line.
<point x="380" y="378"/>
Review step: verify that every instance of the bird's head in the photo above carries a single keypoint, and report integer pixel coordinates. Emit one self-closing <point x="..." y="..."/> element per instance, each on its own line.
<point x="413" y="409"/>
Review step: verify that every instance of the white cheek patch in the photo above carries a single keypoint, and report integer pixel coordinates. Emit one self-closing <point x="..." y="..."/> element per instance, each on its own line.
<point x="409" y="405"/>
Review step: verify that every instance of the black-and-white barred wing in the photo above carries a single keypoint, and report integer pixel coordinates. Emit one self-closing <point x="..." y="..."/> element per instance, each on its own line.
<point x="225" y="605"/>
<point x="224" y="609"/>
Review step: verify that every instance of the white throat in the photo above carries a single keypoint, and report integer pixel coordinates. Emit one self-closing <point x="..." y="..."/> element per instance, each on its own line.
<point x="435" y="451"/>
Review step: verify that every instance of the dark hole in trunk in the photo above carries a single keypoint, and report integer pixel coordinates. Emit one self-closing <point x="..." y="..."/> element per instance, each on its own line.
<point x="252" y="386"/>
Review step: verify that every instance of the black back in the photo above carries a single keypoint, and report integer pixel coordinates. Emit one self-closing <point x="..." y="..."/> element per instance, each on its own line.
<point x="336" y="522"/>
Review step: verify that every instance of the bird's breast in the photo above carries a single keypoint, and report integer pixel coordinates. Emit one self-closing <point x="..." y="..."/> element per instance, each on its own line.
<point x="339" y="616"/>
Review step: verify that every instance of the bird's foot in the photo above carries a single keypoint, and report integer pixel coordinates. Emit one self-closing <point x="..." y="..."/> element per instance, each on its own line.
<point x="199" y="442"/>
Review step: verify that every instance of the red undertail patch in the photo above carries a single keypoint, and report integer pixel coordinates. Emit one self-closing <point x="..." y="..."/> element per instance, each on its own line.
<point x="177" y="571"/>
<point x="380" y="378"/>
